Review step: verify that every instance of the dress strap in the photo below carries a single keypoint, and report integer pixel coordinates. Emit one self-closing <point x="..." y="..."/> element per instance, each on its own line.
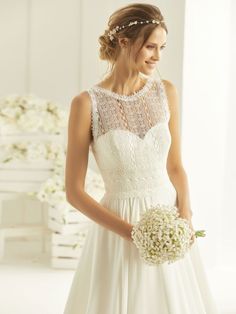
<point x="163" y="97"/>
<point x="94" y="113"/>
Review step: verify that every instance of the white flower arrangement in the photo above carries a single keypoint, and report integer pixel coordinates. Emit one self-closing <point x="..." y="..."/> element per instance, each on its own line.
<point x="52" y="191"/>
<point x="33" y="152"/>
<point x="162" y="236"/>
<point x="31" y="114"/>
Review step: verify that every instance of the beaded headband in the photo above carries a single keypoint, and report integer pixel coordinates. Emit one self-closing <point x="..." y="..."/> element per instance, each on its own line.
<point x="118" y="28"/>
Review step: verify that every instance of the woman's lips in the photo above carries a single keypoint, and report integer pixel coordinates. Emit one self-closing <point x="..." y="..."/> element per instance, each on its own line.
<point x="151" y="64"/>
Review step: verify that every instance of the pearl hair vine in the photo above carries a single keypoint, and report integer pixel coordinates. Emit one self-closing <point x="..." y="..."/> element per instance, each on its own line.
<point x="118" y="28"/>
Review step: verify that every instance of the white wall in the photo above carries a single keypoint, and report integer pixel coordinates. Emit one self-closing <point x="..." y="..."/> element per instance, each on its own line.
<point x="40" y="48"/>
<point x="14" y="49"/>
<point x="229" y="206"/>
<point x="205" y="114"/>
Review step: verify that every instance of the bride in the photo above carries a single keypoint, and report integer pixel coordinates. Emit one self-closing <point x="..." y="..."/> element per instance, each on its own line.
<point x="131" y="122"/>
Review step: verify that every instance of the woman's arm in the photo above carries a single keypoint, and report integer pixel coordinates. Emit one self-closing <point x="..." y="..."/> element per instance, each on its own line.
<point x="175" y="167"/>
<point x="79" y="138"/>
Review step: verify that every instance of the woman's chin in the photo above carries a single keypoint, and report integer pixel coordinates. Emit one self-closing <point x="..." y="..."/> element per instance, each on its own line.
<point x="146" y="71"/>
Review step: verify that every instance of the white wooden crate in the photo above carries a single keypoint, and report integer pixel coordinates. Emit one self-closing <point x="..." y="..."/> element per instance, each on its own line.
<point x="23" y="174"/>
<point x="67" y="223"/>
<point x="66" y="216"/>
<point x="67" y="249"/>
<point x="24" y="177"/>
<point x="20" y="177"/>
<point x="64" y="263"/>
<point x="65" y="228"/>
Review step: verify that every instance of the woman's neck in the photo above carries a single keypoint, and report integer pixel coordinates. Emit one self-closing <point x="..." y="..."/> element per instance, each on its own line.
<point x="123" y="84"/>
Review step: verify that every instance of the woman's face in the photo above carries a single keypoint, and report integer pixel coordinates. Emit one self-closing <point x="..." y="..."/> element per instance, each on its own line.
<point x="148" y="57"/>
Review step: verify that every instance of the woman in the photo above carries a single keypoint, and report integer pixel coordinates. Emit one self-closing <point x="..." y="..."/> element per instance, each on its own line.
<point x="131" y="121"/>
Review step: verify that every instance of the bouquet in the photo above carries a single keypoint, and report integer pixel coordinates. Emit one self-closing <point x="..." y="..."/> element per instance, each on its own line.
<point x="162" y="236"/>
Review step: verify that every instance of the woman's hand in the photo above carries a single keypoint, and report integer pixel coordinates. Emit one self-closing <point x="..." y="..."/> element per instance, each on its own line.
<point x="128" y="236"/>
<point x="187" y="214"/>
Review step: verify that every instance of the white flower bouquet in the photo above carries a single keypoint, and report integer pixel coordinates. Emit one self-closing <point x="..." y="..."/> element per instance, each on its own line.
<point x="162" y="236"/>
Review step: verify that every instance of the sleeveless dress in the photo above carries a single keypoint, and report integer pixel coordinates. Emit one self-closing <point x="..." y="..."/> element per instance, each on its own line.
<point x="131" y="140"/>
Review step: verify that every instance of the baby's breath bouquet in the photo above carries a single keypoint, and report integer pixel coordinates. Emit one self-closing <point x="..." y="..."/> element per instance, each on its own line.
<point x="162" y="236"/>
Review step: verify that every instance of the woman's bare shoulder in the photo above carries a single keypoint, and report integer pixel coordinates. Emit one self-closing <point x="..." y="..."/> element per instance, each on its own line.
<point x="80" y="107"/>
<point x="169" y="86"/>
<point x="80" y="117"/>
<point x="172" y="94"/>
<point x="81" y="103"/>
<point x="82" y="98"/>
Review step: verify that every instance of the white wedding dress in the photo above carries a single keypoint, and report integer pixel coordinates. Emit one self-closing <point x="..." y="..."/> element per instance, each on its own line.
<point x="131" y="140"/>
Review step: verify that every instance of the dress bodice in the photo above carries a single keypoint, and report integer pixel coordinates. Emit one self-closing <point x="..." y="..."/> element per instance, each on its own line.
<point x="131" y="138"/>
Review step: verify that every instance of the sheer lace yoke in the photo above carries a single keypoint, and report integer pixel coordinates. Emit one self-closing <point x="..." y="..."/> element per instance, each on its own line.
<point x="125" y="97"/>
<point x="137" y="113"/>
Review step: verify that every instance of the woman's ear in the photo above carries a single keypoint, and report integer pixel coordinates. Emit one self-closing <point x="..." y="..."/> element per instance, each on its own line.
<point x="123" y="42"/>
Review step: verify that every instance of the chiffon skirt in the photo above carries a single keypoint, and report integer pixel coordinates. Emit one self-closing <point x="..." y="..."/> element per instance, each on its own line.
<point x="112" y="279"/>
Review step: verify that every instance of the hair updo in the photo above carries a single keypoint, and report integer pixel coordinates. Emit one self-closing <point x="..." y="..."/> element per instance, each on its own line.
<point x="109" y="49"/>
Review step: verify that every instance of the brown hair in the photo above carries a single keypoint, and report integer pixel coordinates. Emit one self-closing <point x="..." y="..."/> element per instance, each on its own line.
<point x="109" y="50"/>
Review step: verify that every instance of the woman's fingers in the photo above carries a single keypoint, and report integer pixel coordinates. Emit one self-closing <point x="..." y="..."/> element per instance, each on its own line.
<point x="188" y="216"/>
<point x="193" y="235"/>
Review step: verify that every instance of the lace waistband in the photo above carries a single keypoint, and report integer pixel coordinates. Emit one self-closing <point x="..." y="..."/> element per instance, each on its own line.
<point x="166" y="193"/>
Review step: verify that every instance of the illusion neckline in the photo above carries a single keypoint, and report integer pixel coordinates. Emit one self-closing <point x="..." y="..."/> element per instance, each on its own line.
<point x="132" y="96"/>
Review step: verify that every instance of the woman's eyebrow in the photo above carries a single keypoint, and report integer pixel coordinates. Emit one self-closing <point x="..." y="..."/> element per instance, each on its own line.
<point x="155" y="43"/>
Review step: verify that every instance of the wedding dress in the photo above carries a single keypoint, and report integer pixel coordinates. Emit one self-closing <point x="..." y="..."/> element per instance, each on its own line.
<point x="131" y="140"/>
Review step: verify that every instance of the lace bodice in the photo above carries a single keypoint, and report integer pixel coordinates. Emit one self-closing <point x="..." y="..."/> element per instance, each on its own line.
<point x="131" y="139"/>
<point x="136" y="113"/>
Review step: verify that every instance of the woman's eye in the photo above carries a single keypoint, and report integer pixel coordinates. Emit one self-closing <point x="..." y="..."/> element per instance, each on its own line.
<point x="152" y="47"/>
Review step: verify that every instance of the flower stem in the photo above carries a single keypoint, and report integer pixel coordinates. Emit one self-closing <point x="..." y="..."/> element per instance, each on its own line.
<point x="200" y="233"/>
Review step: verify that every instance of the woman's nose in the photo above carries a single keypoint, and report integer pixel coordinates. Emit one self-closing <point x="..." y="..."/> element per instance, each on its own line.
<point x="157" y="55"/>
